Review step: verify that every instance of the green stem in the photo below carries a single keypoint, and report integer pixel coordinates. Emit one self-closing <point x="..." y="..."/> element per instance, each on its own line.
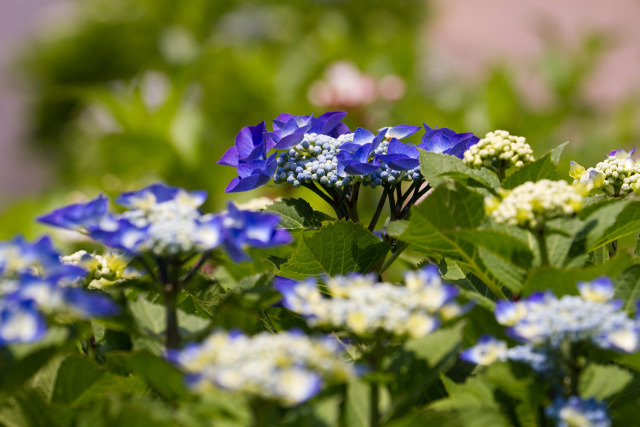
<point x="352" y="203"/>
<point x="326" y="198"/>
<point x="196" y="267"/>
<point x="375" y="359"/>
<point x="170" y="289"/>
<point x="378" y="211"/>
<point x="400" y="247"/>
<point x="542" y="246"/>
<point x="392" y="204"/>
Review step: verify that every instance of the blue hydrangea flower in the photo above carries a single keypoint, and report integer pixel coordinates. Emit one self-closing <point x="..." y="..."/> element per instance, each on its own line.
<point x="444" y="140"/>
<point x="400" y="156"/>
<point x="160" y="193"/>
<point x="364" y="306"/>
<point x="242" y="229"/>
<point x="288" y="367"/>
<point x="251" y="144"/>
<point x="20" y="322"/>
<point x="77" y="216"/>
<point x="357" y="157"/>
<point x="18" y="256"/>
<point x="289" y="130"/>
<point x="576" y="412"/>
<point x="486" y="351"/>
<point x="252" y="175"/>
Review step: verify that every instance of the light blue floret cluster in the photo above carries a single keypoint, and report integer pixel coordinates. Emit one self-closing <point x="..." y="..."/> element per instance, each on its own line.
<point x="385" y="175"/>
<point x="314" y="159"/>
<point x="578" y="412"/>
<point x="289" y="367"/>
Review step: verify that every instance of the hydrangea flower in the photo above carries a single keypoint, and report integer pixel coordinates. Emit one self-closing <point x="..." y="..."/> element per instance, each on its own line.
<point x="20" y="322"/>
<point x="364" y="306"/>
<point x="444" y="140"/>
<point x="498" y="151"/>
<point x="618" y="174"/>
<point x="243" y="229"/>
<point x="575" y="412"/>
<point x="288" y="367"/>
<point x="544" y="323"/>
<point x="34" y="282"/>
<point x="289" y="130"/>
<point x="531" y="204"/>
<point x="103" y="270"/>
<point x="77" y="216"/>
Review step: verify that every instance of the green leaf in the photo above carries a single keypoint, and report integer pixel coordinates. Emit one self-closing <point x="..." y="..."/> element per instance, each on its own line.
<point x="338" y="248"/>
<point x="556" y="153"/>
<point x="436" y="166"/>
<point x="297" y="214"/>
<point x="543" y="168"/>
<point x="603" y="381"/>
<point x="75" y="375"/>
<point x="437" y="345"/>
<point x="563" y="281"/>
<point x="444" y="225"/>
<point x="627" y="287"/>
<point x="605" y="222"/>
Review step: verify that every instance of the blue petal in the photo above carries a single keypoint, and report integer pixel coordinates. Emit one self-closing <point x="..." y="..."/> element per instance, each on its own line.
<point x="78" y="215"/>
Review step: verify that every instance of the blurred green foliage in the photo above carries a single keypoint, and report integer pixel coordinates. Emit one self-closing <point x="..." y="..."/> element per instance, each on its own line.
<point x="135" y="91"/>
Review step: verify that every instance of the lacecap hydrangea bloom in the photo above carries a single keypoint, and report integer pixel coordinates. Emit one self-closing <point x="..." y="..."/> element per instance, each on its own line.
<point x="618" y="174"/>
<point x="34" y="284"/>
<point x="363" y="306"/>
<point x="531" y="204"/>
<point x="288" y="367"/>
<point x="499" y="150"/>
<point x="167" y="222"/>
<point x="576" y="412"/>
<point x="321" y="150"/>
<point x="544" y="324"/>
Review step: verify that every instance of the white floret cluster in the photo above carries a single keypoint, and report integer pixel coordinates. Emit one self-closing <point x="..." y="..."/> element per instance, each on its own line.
<point x="288" y="367"/>
<point x="621" y="173"/>
<point x="312" y="160"/>
<point x="103" y="270"/>
<point x="499" y="150"/>
<point x="174" y="226"/>
<point x="531" y="204"/>
<point x="364" y="307"/>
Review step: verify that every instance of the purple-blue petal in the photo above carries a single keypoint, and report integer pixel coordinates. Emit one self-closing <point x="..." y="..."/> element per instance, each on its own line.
<point x="77" y="215"/>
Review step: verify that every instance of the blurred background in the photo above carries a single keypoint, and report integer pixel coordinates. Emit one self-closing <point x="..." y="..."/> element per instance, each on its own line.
<point x="110" y="95"/>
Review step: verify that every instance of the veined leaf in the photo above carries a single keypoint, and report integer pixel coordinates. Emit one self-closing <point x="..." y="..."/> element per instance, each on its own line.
<point x="297" y="214"/>
<point x="543" y="168"/>
<point x="436" y="166"/>
<point x="338" y="248"/>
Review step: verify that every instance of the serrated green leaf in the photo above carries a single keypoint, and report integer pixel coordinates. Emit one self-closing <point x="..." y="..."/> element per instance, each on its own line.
<point x="297" y="213"/>
<point x="603" y="381"/>
<point x="337" y="248"/>
<point x="444" y="225"/>
<point x="435" y="166"/>
<point x="543" y="168"/>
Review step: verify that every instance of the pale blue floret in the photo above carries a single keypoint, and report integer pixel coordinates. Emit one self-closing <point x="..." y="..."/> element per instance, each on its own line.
<point x="577" y="412"/>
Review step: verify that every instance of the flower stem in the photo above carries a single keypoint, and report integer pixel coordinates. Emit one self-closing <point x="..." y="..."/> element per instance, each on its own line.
<point x="542" y="246"/>
<point x="400" y="247"/>
<point x="378" y="211"/>
<point x="171" y="289"/>
<point x="334" y="204"/>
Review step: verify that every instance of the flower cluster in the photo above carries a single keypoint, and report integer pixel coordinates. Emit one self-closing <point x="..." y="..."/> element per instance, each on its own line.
<point x="323" y="151"/>
<point x="166" y="222"/>
<point x="288" y="367"/>
<point x="578" y="412"/>
<point x="34" y="283"/>
<point x="499" y="150"/>
<point x="544" y="324"/>
<point x="103" y="270"/>
<point x="531" y="204"/>
<point x="363" y="306"/>
<point x="618" y="174"/>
